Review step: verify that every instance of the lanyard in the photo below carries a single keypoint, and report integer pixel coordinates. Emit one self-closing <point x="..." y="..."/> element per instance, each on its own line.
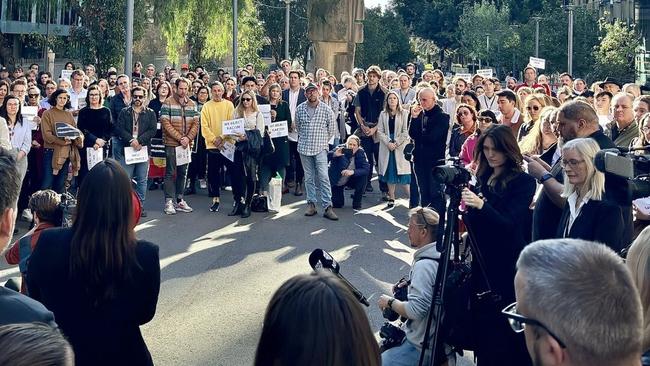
<point x="136" y="120"/>
<point x="491" y="100"/>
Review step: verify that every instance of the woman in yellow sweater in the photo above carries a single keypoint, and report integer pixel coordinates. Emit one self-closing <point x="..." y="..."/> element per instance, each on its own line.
<point x="59" y="152"/>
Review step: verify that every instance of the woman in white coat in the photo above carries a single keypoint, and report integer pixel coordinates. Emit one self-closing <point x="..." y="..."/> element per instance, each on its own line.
<point x="392" y="131"/>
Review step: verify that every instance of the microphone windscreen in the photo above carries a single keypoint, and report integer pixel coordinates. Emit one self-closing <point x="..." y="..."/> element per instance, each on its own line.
<point x="320" y="259"/>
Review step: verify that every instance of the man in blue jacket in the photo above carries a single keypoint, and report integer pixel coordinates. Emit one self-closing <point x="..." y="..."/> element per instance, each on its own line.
<point x="348" y="168"/>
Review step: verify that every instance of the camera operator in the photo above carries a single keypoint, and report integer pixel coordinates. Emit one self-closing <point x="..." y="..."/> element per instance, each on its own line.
<point x="422" y="229"/>
<point x="499" y="223"/>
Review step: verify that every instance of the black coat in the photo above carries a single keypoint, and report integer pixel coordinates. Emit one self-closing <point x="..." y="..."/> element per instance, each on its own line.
<point x="18" y="308"/>
<point x="500" y="229"/>
<point x="599" y="221"/>
<point x="280" y="156"/>
<point x="147" y="123"/>
<point x="108" y="334"/>
<point x="430" y="137"/>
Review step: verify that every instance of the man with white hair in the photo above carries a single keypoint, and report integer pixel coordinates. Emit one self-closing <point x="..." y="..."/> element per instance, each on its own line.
<point x="577" y="305"/>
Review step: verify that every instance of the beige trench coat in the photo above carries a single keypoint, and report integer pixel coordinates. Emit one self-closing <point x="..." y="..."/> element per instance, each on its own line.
<point x="401" y="138"/>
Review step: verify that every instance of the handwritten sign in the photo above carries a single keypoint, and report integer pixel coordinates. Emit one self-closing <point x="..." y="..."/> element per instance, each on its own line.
<point x="28" y="114"/>
<point x="466" y="77"/>
<point x="486" y="73"/>
<point x="233" y="127"/>
<point x="643" y="205"/>
<point x="279" y="129"/>
<point x="228" y="150"/>
<point x="538" y="63"/>
<point x="265" y="109"/>
<point x="66" y="74"/>
<point x="183" y="155"/>
<point x="94" y="156"/>
<point x="131" y="156"/>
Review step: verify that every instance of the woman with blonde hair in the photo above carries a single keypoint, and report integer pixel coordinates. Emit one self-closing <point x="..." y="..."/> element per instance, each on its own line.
<point x="542" y="140"/>
<point x="638" y="261"/>
<point x="247" y="154"/>
<point x="533" y="104"/>
<point x="586" y="214"/>
<point x="392" y="130"/>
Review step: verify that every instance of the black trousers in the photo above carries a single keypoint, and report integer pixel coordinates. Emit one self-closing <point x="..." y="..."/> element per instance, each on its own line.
<point x="295" y="173"/>
<point x="216" y="164"/>
<point x="197" y="166"/>
<point x="359" y="185"/>
<point x="431" y="194"/>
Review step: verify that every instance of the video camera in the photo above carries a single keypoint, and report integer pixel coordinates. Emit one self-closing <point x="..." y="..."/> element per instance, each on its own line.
<point x="453" y="173"/>
<point x="626" y="164"/>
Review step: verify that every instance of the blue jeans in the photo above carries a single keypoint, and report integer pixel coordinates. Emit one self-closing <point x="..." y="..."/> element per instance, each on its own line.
<point x="139" y="173"/>
<point x="316" y="174"/>
<point x="51" y="181"/>
<point x="405" y="354"/>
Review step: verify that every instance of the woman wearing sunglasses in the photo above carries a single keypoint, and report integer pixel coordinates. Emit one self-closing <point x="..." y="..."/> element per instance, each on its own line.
<point x="534" y="104"/>
<point x="465" y="126"/>
<point x="485" y="119"/>
<point x="586" y="212"/>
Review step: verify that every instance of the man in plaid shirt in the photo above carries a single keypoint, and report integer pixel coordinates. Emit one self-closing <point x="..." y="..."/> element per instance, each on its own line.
<point x="180" y="124"/>
<point x="316" y="125"/>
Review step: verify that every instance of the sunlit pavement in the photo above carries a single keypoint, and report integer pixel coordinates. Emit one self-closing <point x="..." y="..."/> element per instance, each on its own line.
<point x="219" y="272"/>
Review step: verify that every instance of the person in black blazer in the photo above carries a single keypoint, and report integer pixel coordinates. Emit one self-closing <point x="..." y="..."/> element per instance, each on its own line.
<point x="98" y="280"/>
<point x="586" y="214"/>
<point x="294" y="96"/>
<point x="498" y="219"/>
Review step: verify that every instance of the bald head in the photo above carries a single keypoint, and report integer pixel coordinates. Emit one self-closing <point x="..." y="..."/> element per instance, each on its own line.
<point x="427" y="98"/>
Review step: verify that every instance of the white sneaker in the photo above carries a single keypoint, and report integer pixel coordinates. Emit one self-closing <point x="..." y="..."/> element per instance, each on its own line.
<point x="169" y="208"/>
<point x="203" y="184"/>
<point x="182" y="206"/>
<point x="27" y="215"/>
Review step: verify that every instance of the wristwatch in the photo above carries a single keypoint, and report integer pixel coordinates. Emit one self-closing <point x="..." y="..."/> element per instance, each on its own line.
<point x="545" y="177"/>
<point x="390" y="302"/>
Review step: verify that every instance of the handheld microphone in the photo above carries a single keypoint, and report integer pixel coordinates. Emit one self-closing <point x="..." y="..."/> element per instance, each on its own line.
<point x="322" y="260"/>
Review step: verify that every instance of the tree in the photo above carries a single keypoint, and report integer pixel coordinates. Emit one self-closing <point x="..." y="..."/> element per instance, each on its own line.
<point x="380" y="46"/>
<point x="615" y="54"/>
<point x="273" y="19"/>
<point x="433" y="19"/>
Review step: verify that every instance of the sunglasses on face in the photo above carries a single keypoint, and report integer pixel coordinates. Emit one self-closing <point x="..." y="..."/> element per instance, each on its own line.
<point x="93" y="95"/>
<point x="464" y="113"/>
<point x="485" y="119"/>
<point x="33" y="95"/>
<point x="138" y="97"/>
<point x="535" y="108"/>
<point x="246" y="99"/>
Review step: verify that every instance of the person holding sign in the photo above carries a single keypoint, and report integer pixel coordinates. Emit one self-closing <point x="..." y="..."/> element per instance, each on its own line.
<point x="277" y="162"/>
<point x="95" y="123"/>
<point x="180" y="123"/>
<point x="60" y="152"/>
<point x="214" y="112"/>
<point x="244" y="175"/>
<point x="135" y="127"/>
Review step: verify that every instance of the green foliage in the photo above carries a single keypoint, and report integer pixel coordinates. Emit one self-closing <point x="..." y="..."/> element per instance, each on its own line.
<point x="273" y="19"/>
<point x="615" y="54"/>
<point x="385" y="41"/>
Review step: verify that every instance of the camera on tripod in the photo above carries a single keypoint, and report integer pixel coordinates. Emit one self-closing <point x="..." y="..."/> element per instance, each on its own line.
<point x="453" y="173"/>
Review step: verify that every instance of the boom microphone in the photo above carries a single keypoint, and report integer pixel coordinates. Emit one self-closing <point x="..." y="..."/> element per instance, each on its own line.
<point x="322" y="260"/>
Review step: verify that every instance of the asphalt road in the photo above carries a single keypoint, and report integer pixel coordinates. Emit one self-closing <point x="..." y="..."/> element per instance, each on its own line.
<point x="219" y="272"/>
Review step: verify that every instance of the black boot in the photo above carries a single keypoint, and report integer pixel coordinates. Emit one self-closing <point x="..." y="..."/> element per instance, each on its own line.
<point x="191" y="189"/>
<point x="237" y="209"/>
<point x="246" y="211"/>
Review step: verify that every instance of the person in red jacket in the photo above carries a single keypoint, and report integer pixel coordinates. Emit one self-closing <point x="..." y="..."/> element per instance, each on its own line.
<point x="45" y="206"/>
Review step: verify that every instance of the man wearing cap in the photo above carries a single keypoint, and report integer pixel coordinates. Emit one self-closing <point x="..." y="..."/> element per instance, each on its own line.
<point x="4" y="73"/>
<point x="530" y="80"/>
<point x="611" y="85"/>
<point x="316" y="125"/>
<point x="368" y="104"/>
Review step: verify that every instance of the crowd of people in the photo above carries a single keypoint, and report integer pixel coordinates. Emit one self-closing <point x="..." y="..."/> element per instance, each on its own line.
<point x="530" y="148"/>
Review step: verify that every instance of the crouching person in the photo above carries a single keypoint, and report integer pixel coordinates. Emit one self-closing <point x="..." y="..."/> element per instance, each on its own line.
<point x="348" y="167"/>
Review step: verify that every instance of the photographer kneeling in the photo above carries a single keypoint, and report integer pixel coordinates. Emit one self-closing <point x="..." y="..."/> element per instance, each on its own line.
<point x="422" y="230"/>
<point x="349" y="167"/>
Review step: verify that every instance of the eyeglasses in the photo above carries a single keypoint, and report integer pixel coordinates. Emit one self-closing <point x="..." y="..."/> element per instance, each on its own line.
<point x="485" y="119"/>
<point x="93" y="95"/>
<point x="571" y="163"/>
<point x="517" y="322"/>
<point x="138" y="97"/>
<point x="535" y="108"/>
<point x="33" y="95"/>
<point x="246" y="99"/>
<point x="464" y="113"/>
